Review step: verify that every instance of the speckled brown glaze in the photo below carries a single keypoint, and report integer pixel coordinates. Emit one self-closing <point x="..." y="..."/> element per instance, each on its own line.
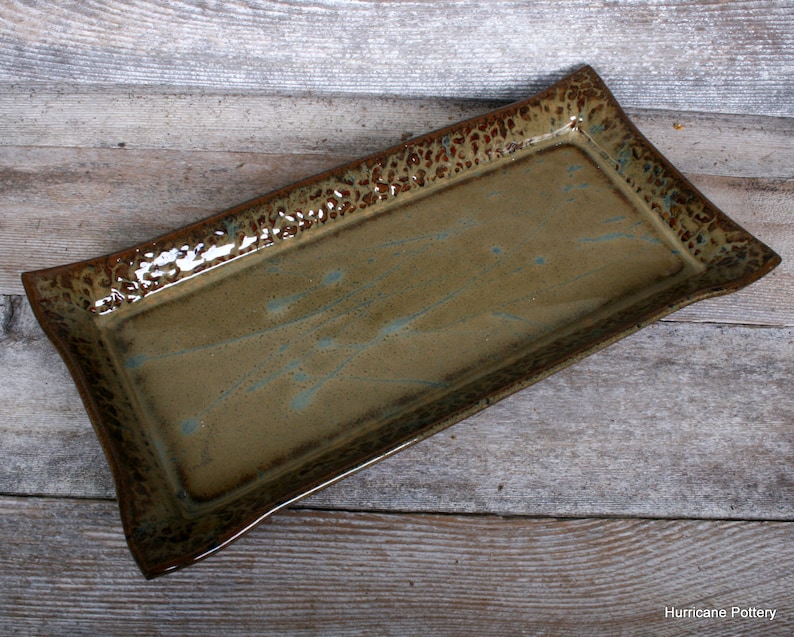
<point x="365" y="308"/>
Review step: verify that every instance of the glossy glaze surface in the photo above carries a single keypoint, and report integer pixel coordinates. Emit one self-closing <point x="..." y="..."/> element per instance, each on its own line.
<point x="302" y="344"/>
<point x="243" y="362"/>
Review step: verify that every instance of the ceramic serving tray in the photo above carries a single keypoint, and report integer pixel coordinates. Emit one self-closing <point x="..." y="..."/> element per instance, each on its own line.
<point x="246" y="361"/>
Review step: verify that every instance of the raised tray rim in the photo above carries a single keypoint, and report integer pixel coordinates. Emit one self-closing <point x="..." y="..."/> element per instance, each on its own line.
<point x="750" y="261"/>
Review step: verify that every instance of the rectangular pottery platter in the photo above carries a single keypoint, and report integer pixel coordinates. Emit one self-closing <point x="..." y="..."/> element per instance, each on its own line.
<point x="243" y="362"/>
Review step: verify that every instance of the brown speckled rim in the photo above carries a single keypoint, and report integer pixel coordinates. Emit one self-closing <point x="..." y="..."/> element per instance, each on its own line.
<point x="65" y="299"/>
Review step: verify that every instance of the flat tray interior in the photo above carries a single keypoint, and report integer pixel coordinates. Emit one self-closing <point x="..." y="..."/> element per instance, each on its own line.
<point x="256" y="369"/>
<point x="236" y="365"/>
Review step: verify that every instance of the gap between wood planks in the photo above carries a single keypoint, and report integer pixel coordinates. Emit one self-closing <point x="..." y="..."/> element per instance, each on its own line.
<point x="416" y="513"/>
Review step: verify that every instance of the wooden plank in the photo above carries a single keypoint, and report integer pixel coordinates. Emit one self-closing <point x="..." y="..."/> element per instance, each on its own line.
<point x="120" y="120"/>
<point x="679" y="54"/>
<point x="679" y="420"/>
<point x="148" y="118"/>
<point x="101" y="200"/>
<point x="63" y="205"/>
<point x="154" y="118"/>
<point x="39" y="398"/>
<point x="713" y="144"/>
<point x="336" y="573"/>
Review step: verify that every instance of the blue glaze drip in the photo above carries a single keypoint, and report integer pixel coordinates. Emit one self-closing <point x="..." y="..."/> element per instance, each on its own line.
<point x="190" y="426"/>
<point x="302" y="399"/>
<point x="396" y="325"/>
<point x="135" y="361"/>
<point x="612" y="236"/>
<point x="325" y="343"/>
<point x="332" y="277"/>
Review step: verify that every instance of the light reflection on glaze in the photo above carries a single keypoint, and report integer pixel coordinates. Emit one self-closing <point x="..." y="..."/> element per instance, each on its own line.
<point x="277" y="219"/>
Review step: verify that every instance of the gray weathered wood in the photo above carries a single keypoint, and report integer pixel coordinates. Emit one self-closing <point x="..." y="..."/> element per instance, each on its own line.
<point x="143" y="118"/>
<point x="727" y="57"/>
<point x="679" y="420"/>
<point x="119" y="121"/>
<point x="343" y="574"/>
<point x="63" y="205"/>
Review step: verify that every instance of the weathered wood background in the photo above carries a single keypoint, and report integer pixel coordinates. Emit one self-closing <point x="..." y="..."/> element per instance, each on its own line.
<point x="657" y="473"/>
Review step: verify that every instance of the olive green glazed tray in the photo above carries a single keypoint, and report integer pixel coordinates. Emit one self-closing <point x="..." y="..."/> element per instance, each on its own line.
<point x="241" y="363"/>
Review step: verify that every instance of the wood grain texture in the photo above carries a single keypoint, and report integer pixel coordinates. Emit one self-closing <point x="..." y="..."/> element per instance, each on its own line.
<point x="122" y="120"/>
<point x="679" y="420"/>
<point x="728" y="57"/>
<point x="63" y="205"/>
<point x="343" y="574"/>
<point x="147" y="118"/>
